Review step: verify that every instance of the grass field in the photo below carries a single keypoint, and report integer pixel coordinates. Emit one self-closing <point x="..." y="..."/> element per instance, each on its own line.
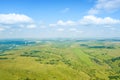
<point x="60" y="60"/>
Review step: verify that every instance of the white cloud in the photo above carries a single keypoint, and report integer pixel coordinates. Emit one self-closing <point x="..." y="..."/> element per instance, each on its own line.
<point x="65" y="10"/>
<point x="14" y="19"/>
<point x="105" y="5"/>
<point x="62" y="23"/>
<point x="75" y="30"/>
<point x="88" y="20"/>
<point x="31" y="26"/>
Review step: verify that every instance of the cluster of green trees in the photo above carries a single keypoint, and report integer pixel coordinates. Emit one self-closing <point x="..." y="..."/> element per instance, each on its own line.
<point x="98" y="46"/>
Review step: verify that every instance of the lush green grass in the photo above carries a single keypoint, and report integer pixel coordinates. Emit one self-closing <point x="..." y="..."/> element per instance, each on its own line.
<point x="66" y="60"/>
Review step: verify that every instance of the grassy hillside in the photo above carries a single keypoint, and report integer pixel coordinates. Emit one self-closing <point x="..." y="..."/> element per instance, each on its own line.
<point x="60" y="60"/>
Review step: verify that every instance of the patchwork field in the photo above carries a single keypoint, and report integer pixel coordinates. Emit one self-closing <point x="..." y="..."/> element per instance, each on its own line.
<point x="60" y="59"/>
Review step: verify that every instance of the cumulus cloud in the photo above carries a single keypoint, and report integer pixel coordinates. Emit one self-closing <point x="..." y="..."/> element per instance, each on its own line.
<point x="90" y="19"/>
<point x="31" y="26"/>
<point x="62" y="23"/>
<point x="14" y="19"/>
<point x="87" y="20"/>
<point x="75" y="30"/>
<point x="105" y="5"/>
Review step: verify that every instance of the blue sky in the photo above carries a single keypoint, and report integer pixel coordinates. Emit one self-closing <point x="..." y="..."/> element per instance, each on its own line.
<point x="59" y="18"/>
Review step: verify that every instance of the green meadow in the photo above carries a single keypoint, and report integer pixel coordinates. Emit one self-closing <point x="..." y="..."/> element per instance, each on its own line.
<point x="60" y="60"/>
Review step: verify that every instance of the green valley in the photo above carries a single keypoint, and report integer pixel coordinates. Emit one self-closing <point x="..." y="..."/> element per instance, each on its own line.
<point x="64" y="59"/>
